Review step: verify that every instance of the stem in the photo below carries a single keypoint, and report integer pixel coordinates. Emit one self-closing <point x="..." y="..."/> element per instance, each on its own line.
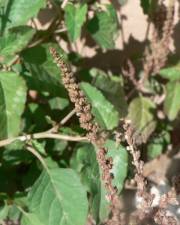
<point x="42" y="135"/>
<point x="66" y="118"/>
<point x="62" y="122"/>
<point x="37" y="42"/>
<point x="147" y="30"/>
<point x="121" y="25"/>
<point x="60" y="30"/>
<point x="35" y="153"/>
<point x="13" y="61"/>
<point x="64" y="3"/>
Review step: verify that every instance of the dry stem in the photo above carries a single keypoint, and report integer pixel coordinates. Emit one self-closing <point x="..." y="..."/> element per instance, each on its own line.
<point x="42" y="135"/>
<point x="160" y="213"/>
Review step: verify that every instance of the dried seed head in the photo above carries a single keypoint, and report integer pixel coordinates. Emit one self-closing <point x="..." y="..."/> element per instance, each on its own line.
<point x="156" y="54"/>
<point x="94" y="133"/>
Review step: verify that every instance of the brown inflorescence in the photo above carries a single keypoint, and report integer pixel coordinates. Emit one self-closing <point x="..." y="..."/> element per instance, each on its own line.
<point x="159" y="214"/>
<point x="158" y="19"/>
<point x="129" y="72"/>
<point x="94" y="133"/>
<point x="147" y="198"/>
<point x="156" y="54"/>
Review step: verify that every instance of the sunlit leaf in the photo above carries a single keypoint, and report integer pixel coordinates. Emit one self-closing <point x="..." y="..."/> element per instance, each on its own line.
<point x="103" y="27"/>
<point x="171" y="73"/>
<point x="12" y="102"/>
<point x="84" y="162"/>
<point x="20" y="11"/>
<point x="58" y="197"/>
<point x="75" y="16"/>
<point x="16" y="40"/>
<point x="103" y="110"/>
<point x="172" y="101"/>
<point x="141" y="115"/>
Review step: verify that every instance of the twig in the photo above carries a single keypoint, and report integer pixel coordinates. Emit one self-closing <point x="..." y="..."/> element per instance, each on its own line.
<point x="121" y="26"/>
<point x="35" y="153"/>
<point x="62" y="122"/>
<point x="42" y="135"/>
<point x="66" y="118"/>
<point x="130" y="72"/>
<point x="63" y="5"/>
<point x="60" y="30"/>
<point x="147" y="30"/>
<point x="13" y="61"/>
<point x="37" y="42"/>
<point x="3" y="223"/>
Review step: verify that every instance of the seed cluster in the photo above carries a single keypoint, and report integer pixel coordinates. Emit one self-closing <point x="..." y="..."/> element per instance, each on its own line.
<point x="156" y="54"/>
<point x="82" y="108"/>
<point x="94" y="133"/>
<point x="158" y="19"/>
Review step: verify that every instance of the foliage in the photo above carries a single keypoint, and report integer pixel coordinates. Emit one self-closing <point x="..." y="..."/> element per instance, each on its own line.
<point x="48" y="169"/>
<point x="74" y="19"/>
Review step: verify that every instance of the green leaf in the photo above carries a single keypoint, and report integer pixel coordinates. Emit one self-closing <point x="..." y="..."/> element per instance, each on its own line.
<point x="120" y="163"/>
<point x="148" y="5"/>
<point x="31" y="175"/>
<point x="56" y="147"/>
<point x="145" y="5"/>
<point x="158" y="144"/>
<point x="111" y="87"/>
<point x="141" y="115"/>
<point x="14" y="41"/>
<point x="75" y="16"/>
<point x="103" y="27"/>
<point x="14" y="213"/>
<point x="100" y="206"/>
<point x="3" y="3"/>
<point x="172" y="100"/>
<point x="39" y="147"/>
<point x="35" y="118"/>
<point x="20" y="11"/>
<point x="58" y="103"/>
<point x="16" y="153"/>
<point x="51" y="164"/>
<point x="58" y="197"/>
<point x="44" y="73"/>
<point x="154" y="149"/>
<point x="4" y="211"/>
<point x="102" y="109"/>
<point x="171" y="73"/>
<point x="29" y="219"/>
<point x="12" y="102"/>
<point x="84" y="162"/>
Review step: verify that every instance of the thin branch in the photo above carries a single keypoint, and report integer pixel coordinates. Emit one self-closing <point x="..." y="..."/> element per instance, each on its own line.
<point x="60" y="30"/>
<point x="42" y="135"/>
<point x="147" y="30"/>
<point x="121" y="26"/>
<point x="35" y="153"/>
<point x="13" y="61"/>
<point x="62" y="122"/>
<point x="63" y="5"/>
<point x="58" y="136"/>
<point x="37" y="42"/>
<point x="66" y="118"/>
